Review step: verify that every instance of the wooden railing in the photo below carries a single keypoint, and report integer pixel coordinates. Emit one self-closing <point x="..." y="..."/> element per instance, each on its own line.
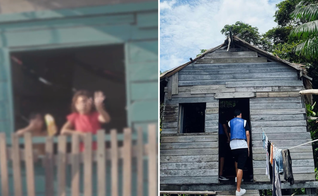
<point x="81" y="163"/>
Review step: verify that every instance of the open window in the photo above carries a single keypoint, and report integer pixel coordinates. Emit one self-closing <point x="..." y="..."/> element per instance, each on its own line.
<point x="45" y="81"/>
<point x="192" y="117"/>
<point x="226" y="110"/>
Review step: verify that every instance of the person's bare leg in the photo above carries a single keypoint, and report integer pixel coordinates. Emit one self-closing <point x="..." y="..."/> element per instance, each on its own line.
<point x="236" y="168"/>
<point x="221" y="165"/>
<point x="239" y="175"/>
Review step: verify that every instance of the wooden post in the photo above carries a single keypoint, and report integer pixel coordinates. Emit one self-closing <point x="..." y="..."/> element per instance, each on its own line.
<point x="152" y="163"/>
<point x="49" y="163"/>
<point x="61" y="168"/>
<point x="4" y="165"/>
<point x="88" y="164"/>
<point x="16" y="166"/>
<point x="114" y="161"/>
<point x="75" y="165"/>
<point x="127" y="162"/>
<point x="101" y="163"/>
<point x="29" y="164"/>
<point x="140" y="162"/>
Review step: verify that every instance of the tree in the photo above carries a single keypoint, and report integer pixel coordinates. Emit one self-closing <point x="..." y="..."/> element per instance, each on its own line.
<point x="201" y="52"/>
<point x="244" y="31"/>
<point x="308" y="31"/>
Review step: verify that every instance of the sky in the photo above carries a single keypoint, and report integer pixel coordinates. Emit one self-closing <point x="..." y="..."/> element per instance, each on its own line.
<point x="187" y="26"/>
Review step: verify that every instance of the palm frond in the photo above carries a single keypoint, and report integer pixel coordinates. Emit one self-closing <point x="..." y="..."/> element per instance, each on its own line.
<point x="308" y="12"/>
<point x="308" y="48"/>
<point x="305" y="30"/>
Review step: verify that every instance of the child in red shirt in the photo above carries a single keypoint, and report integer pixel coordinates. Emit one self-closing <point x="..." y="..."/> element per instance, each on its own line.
<point x="86" y="117"/>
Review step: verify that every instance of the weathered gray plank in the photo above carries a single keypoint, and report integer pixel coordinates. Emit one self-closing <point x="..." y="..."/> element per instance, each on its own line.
<point x="232" y="60"/>
<point x="169" y="131"/>
<point x="192" y="100"/>
<point x="301" y="149"/>
<point x="189" y="180"/>
<point x="169" y="125"/>
<point x="193" y="145"/>
<point x="200" y="87"/>
<point x="295" y="156"/>
<point x="277" y="106"/>
<point x="289" y="136"/>
<point x="212" y="151"/>
<point x="212" y="123"/>
<point x="300" y="129"/>
<point x="212" y="111"/>
<point x="264" y="83"/>
<point x="199" y="138"/>
<point x="169" y="89"/>
<point x="211" y="117"/>
<point x="280" y="111"/>
<point x="214" y="129"/>
<point x="205" y="165"/>
<point x="285" y="117"/>
<point x="188" y="94"/>
<point x="174" y="86"/>
<point x="188" y="77"/>
<point x="232" y="54"/>
<point x="234" y="95"/>
<point x="278" y="123"/>
<point x="277" y="94"/>
<point x="192" y="172"/>
<point x="198" y="92"/>
<point x="275" y="100"/>
<point x="296" y="163"/>
<point x="241" y="66"/>
<point x="297" y="177"/>
<point x="194" y="158"/>
<point x="282" y="143"/>
<point x="296" y="170"/>
<point x="244" y="82"/>
<point x="210" y="69"/>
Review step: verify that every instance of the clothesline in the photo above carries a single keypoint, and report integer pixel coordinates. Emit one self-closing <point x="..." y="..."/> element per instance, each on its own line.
<point x="299" y="144"/>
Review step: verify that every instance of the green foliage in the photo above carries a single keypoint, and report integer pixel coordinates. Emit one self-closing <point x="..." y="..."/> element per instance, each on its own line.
<point x="201" y="52"/>
<point x="245" y="31"/>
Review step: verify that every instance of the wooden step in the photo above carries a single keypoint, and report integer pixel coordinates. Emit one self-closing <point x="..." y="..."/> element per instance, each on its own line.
<point x="232" y="193"/>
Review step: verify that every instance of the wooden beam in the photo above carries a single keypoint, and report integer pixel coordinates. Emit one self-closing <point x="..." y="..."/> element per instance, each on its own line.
<point x="309" y="91"/>
<point x="174" y="79"/>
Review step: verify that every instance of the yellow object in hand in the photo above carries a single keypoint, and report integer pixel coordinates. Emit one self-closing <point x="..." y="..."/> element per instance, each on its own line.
<point x="50" y="123"/>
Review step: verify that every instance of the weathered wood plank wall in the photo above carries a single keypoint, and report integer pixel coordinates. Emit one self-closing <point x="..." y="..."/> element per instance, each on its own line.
<point x="275" y="107"/>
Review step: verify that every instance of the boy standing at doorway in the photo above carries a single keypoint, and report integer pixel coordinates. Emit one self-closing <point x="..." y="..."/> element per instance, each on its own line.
<point x="240" y="140"/>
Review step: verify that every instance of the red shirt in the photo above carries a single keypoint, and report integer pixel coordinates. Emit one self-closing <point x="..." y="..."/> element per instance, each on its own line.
<point x="87" y="123"/>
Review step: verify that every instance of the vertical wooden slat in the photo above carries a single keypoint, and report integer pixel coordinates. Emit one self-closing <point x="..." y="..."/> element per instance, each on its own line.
<point x="140" y="162"/>
<point x="152" y="163"/>
<point x="114" y="161"/>
<point x="127" y="162"/>
<point x="4" y="165"/>
<point x="16" y="166"/>
<point x="88" y="164"/>
<point x="75" y="164"/>
<point x="29" y="164"/>
<point x="49" y="164"/>
<point x="101" y="163"/>
<point x="61" y="168"/>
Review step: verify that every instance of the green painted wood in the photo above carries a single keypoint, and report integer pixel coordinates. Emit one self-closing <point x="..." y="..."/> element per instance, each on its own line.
<point x="79" y="12"/>
<point x="69" y="22"/>
<point x="143" y="71"/>
<point x="144" y="91"/>
<point x="143" y="51"/>
<point x="146" y="19"/>
<point x="143" y="111"/>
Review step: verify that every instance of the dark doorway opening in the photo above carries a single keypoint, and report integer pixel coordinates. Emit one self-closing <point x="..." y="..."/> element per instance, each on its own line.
<point x="44" y="81"/>
<point x="192" y="117"/>
<point x="226" y="110"/>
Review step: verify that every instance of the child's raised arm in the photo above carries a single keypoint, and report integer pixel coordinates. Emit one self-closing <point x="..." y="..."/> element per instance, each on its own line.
<point x="103" y="117"/>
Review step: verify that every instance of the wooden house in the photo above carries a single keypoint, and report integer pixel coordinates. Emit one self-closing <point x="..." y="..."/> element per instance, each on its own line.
<point x="49" y="49"/>
<point x="236" y="75"/>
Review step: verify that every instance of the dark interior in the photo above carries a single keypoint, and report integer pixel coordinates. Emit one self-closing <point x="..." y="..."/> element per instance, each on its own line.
<point x="226" y="110"/>
<point x="193" y="117"/>
<point x="44" y="81"/>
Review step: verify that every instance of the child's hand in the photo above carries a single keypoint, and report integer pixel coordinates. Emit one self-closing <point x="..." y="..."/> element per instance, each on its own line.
<point x="98" y="99"/>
